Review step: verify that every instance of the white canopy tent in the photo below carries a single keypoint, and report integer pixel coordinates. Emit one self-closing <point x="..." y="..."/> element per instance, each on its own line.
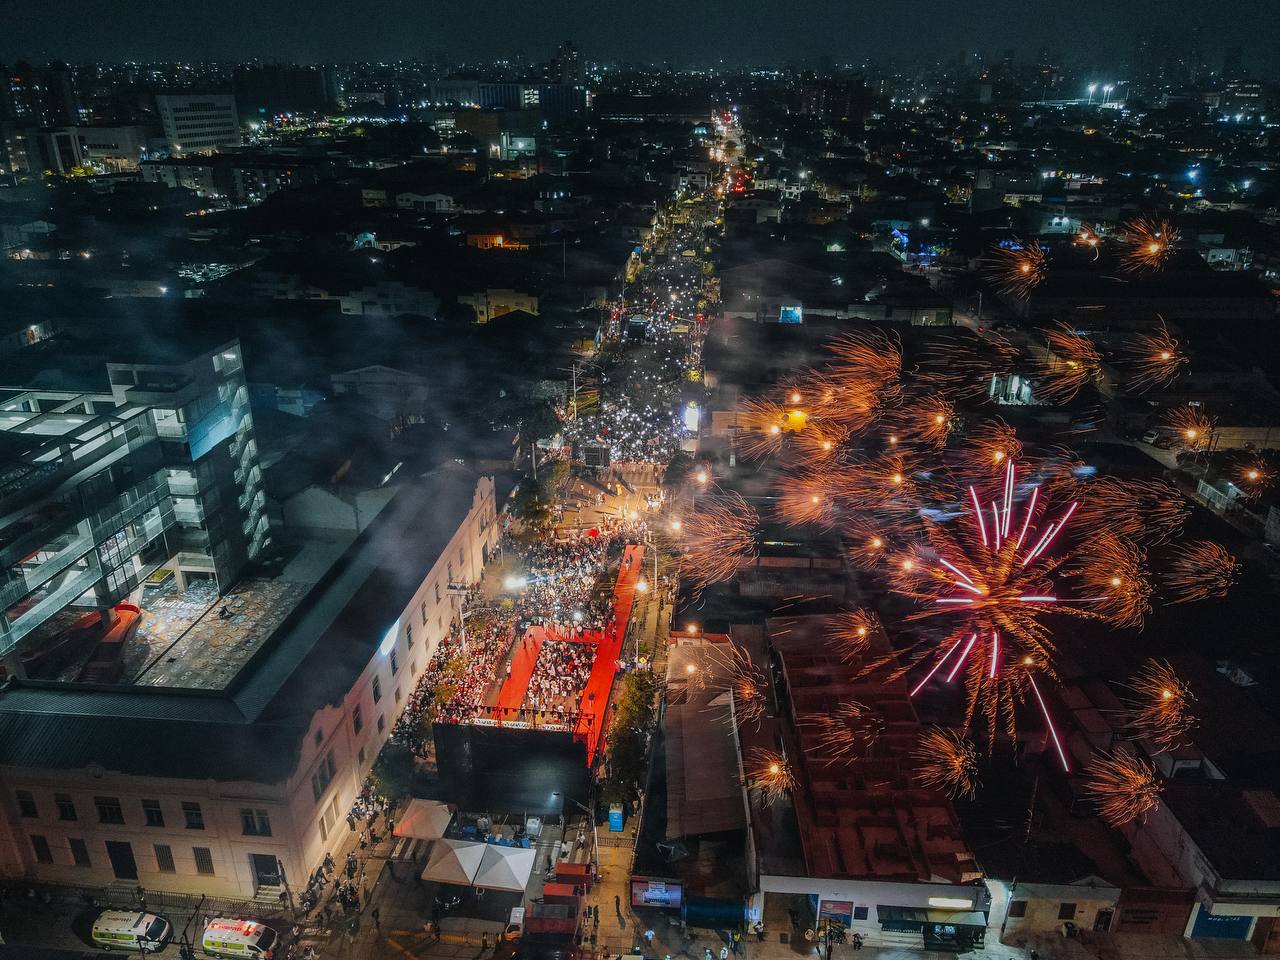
<point x="505" y="868"/>
<point x="424" y="820"/>
<point x="454" y="861"/>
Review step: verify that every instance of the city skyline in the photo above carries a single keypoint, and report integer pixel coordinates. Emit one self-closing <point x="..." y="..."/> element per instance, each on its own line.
<point x="1087" y="33"/>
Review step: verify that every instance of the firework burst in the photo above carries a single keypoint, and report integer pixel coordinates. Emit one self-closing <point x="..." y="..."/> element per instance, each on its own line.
<point x="947" y="762"/>
<point x="1155" y="359"/>
<point x="1071" y="361"/>
<point x="865" y="358"/>
<point x="961" y="365"/>
<point x="1192" y="426"/>
<point x="1140" y="511"/>
<point x="1112" y="572"/>
<point x="925" y="420"/>
<point x="807" y="497"/>
<point x="1148" y="242"/>
<point x="1123" y="786"/>
<point x="855" y="631"/>
<point x="1160" y="706"/>
<point x="770" y="772"/>
<point x="719" y="540"/>
<point x="1016" y="270"/>
<point x="1199" y="571"/>
<point x="991" y="446"/>
<point x="845" y="732"/>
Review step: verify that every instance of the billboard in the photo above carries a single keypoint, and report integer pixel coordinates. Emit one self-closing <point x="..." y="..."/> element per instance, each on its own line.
<point x="656" y="893"/>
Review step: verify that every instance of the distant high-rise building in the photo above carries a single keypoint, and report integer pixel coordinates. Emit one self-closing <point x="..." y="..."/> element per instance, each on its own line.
<point x="41" y="96"/>
<point x="564" y="65"/>
<point x="265" y="90"/>
<point x="198" y="122"/>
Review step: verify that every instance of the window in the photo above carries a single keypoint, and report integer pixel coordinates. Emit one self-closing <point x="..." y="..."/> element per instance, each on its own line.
<point x="1066" y="911"/>
<point x="357" y="721"/>
<point x="41" y="847"/>
<point x="324" y="829"/>
<point x="152" y="813"/>
<point x="255" y="823"/>
<point x="109" y="809"/>
<point x="437" y="586"/>
<point x="382" y="723"/>
<point x="451" y="571"/>
<point x="324" y="774"/>
<point x="462" y="558"/>
<point x="193" y="816"/>
<point x="204" y="860"/>
<point x="408" y="635"/>
<point x="26" y="803"/>
<point x="397" y="694"/>
<point x="423" y="611"/>
<point x="377" y="689"/>
<point x="164" y="858"/>
<point x="79" y="852"/>
<point x="860" y="913"/>
<point x="319" y="737"/>
<point x="66" y="806"/>
<point x="1017" y="908"/>
<point x="395" y="664"/>
<point x="413" y="668"/>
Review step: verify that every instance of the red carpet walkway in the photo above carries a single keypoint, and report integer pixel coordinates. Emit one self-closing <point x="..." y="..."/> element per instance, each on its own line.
<point x="595" y="695"/>
<point x="511" y="696"/>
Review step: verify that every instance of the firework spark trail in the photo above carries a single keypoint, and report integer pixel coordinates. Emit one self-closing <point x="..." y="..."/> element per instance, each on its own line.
<point x="865" y="357"/>
<point x="1193" y="427"/>
<point x="807" y="497"/>
<point x="995" y="575"/>
<point x="1160" y="706"/>
<point x="854" y="632"/>
<point x="1148" y="242"/>
<point x="1112" y="574"/>
<point x="963" y="368"/>
<point x="1146" y="512"/>
<point x="925" y="420"/>
<point x="1016" y="270"/>
<point x="769" y="771"/>
<point x="1199" y="571"/>
<point x="719" y="540"/>
<point x="762" y="426"/>
<point x="1155" y="359"/>
<point x="1072" y="362"/>
<point x="728" y="666"/>
<point x="845" y="732"/>
<point x="1123" y="786"/>
<point x="947" y="762"/>
<point x="991" y="446"/>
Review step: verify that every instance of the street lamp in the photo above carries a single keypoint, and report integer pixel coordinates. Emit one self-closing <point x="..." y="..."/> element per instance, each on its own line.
<point x="1106" y="92"/>
<point x="1092" y="88"/>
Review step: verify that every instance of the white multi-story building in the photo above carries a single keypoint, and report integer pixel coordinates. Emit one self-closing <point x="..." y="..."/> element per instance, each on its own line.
<point x="238" y="791"/>
<point x="198" y="122"/>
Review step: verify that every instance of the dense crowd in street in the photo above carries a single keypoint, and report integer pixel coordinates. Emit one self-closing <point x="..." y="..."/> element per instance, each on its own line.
<point x="561" y="672"/>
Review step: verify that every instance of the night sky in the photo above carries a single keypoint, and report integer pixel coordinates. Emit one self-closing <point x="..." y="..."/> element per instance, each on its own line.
<point x="690" y="32"/>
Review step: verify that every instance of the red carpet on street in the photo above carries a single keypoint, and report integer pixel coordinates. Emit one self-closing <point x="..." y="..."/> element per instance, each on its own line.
<point x="595" y="695"/>
<point x="516" y="686"/>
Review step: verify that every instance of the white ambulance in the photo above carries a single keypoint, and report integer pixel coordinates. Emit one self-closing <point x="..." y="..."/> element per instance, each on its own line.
<point x="239" y="938"/>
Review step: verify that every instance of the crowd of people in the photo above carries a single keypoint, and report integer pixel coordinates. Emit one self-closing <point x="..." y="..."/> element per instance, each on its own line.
<point x="560" y="673"/>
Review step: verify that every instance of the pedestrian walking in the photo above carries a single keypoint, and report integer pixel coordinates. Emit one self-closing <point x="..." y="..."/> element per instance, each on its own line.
<point x="377" y="919"/>
<point x="648" y="938"/>
<point x="758" y="929"/>
<point x="724" y="952"/>
<point x="617" y="904"/>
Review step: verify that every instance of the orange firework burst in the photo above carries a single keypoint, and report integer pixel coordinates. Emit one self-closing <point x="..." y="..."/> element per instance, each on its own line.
<point x="1155" y="359"/>
<point x="854" y="633"/>
<point x="843" y="399"/>
<point x="947" y="762"/>
<point x="1017" y="269"/>
<point x="1253" y="475"/>
<point x="769" y="771"/>
<point x="1148" y="242"/>
<point x="1070" y="362"/>
<point x="821" y="442"/>
<point x="1087" y="237"/>
<point x="1141" y="511"/>
<point x="1160" y="708"/>
<point x="1112" y="572"/>
<point x="992" y="445"/>
<point x="719" y="540"/>
<point x="845" y="732"/>
<point x="729" y="666"/>
<point x="869" y="543"/>
<point x="884" y="484"/>
<point x="961" y="364"/>
<point x="925" y="420"/>
<point x="1123" y="786"/>
<point x="1198" y="571"/>
<point x="807" y="497"/>
<point x="1193" y="427"/>
<point x="865" y="357"/>
<point x="763" y="426"/>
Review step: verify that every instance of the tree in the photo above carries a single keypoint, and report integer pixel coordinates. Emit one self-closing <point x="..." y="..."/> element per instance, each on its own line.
<point x="633" y="720"/>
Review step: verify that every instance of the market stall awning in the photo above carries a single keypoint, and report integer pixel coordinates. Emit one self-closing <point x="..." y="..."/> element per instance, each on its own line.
<point x="454" y="861"/>
<point x="424" y="820"/>
<point x="505" y="868"/>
